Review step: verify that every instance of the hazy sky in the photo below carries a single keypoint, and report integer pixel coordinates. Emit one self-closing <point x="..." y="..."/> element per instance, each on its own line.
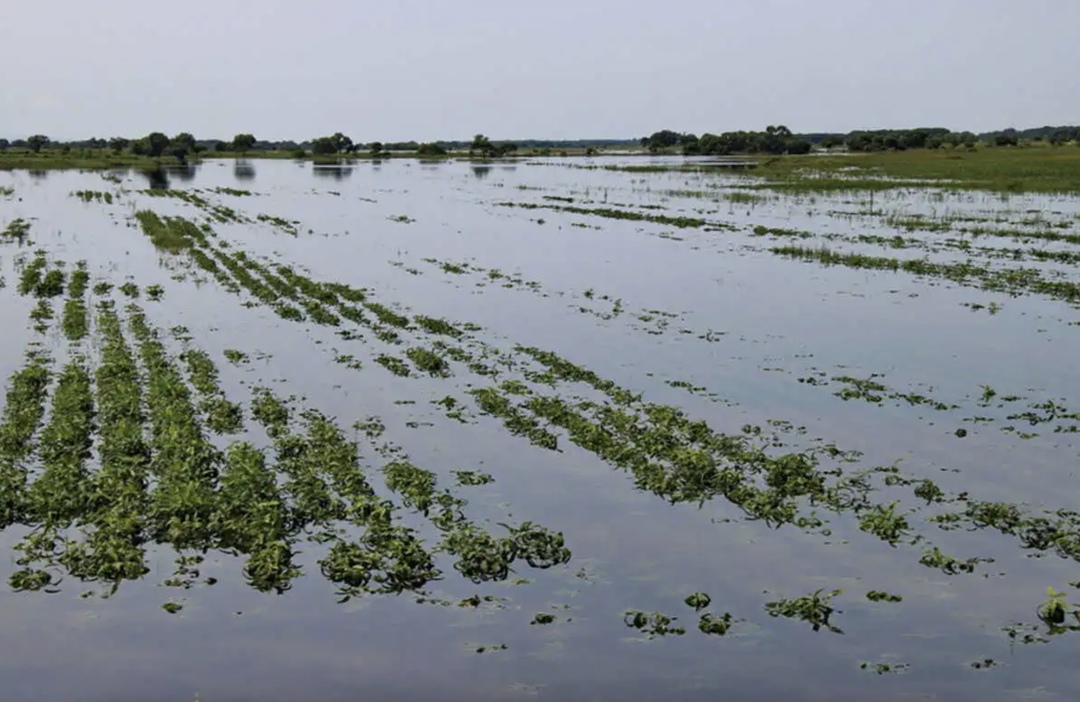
<point x="446" y="69"/>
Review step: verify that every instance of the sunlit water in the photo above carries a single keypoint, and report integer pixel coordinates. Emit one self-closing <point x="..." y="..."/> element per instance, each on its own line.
<point x="768" y="321"/>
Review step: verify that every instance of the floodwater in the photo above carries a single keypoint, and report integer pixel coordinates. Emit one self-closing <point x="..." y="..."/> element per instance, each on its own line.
<point x="651" y="306"/>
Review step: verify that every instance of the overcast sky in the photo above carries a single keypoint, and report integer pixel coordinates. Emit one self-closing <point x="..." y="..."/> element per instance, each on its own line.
<point x="446" y="69"/>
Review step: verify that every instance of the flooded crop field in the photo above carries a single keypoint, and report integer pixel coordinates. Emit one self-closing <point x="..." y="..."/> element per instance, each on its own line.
<point x="568" y="429"/>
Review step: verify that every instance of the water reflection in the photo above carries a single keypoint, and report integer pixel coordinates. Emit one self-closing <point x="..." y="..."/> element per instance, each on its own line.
<point x="157" y="178"/>
<point x="185" y="172"/>
<point x="481" y="172"/>
<point x="334" y="172"/>
<point x="37" y="174"/>
<point x="243" y="169"/>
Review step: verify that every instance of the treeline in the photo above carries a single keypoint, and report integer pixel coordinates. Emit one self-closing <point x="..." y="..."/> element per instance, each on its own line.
<point x="155" y="145"/>
<point x="1054" y="135"/>
<point x="184" y="145"/>
<point x="781" y="140"/>
<point x="774" y="140"/>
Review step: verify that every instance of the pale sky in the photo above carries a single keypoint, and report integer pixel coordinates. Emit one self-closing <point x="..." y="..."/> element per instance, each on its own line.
<point x="394" y="70"/>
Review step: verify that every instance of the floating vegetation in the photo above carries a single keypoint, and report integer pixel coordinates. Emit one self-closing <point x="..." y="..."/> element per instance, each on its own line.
<point x="94" y="195"/>
<point x="222" y="416"/>
<point x="287" y="226"/>
<point x="1010" y="280"/>
<point x="652" y="624"/>
<point x="884" y="667"/>
<point x="24" y="407"/>
<point x="394" y="365"/>
<point x="17" y="229"/>
<point x="31" y="277"/>
<point x="815" y="608"/>
<point x="74" y="320"/>
<point x="610" y="213"/>
<point x="714" y="625"/>
<point x="471" y="477"/>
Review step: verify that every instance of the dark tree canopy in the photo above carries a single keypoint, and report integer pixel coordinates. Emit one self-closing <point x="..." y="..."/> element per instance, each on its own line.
<point x="335" y="144"/>
<point x="430" y="149"/>
<point x="182" y="145"/>
<point x="243" y="142"/>
<point x="37" y="142"/>
<point x="156" y="143"/>
<point x="484" y="146"/>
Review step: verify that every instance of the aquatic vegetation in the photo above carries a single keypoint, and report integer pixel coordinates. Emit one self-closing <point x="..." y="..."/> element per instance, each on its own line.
<point x="300" y="493"/>
<point x="1053" y="610"/>
<point x="30" y="279"/>
<point x="815" y="608"/>
<point x="394" y="365"/>
<point x="74" y="320"/>
<point x="24" y="407"/>
<point x="222" y="416"/>
<point x="652" y="624"/>
<point x="163" y="234"/>
<point x="470" y="477"/>
<point x="884" y="667"/>
<point x="934" y="558"/>
<point x="92" y="195"/>
<point x="17" y="229"/>
<point x="58" y="496"/>
<point x="289" y="227"/>
<point x="611" y="213"/>
<point x="42" y="314"/>
<point x="428" y="361"/>
<point x="51" y="285"/>
<point x="715" y="625"/>
<point x="1011" y="280"/>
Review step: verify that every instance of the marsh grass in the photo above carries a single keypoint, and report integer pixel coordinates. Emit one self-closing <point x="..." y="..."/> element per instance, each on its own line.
<point x="1001" y="169"/>
<point x="17" y="229"/>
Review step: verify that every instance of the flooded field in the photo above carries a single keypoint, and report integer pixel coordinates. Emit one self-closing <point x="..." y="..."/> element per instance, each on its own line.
<point x="571" y="429"/>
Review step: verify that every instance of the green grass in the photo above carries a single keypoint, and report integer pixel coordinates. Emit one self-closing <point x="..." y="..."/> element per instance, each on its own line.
<point x="1001" y="169"/>
<point x="88" y="159"/>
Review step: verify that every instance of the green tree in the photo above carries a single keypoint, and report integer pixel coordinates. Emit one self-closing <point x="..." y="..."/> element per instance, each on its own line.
<point x="182" y="145"/>
<point x="430" y="149"/>
<point x="323" y="145"/>
<point x="156" y="143"/>
<point x="37" y="142"/>
<point x="481" y="144"/>
<point x="663" y="139"/>
<point x="376" y="148"/>
<point x="118" y="144"/>
<point x="243" y="142"/>
<point x="4" y="143"/>
<point x="342" y="143"/>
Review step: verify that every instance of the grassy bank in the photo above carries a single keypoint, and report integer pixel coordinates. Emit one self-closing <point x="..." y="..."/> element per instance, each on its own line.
<point x="1007" y="169"/>
<point x="90" y="159"/>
